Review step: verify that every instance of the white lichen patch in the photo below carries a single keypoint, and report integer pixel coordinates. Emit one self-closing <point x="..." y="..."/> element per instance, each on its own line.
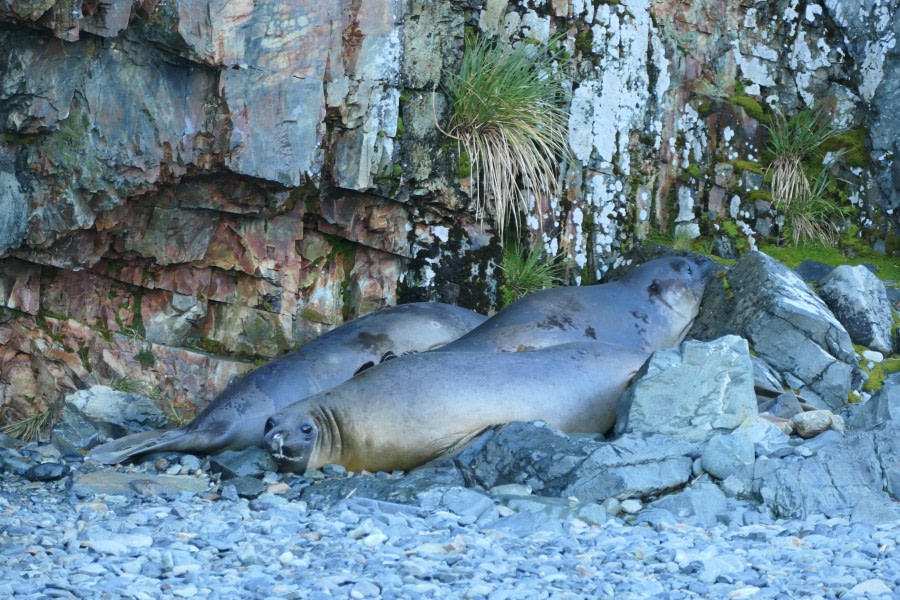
<point x="614" y="101"/>
<point x="872" y="69"/>
<point x="536" y="27"/>
<point x="757" y="69"/>
<point x="694" y="136"/>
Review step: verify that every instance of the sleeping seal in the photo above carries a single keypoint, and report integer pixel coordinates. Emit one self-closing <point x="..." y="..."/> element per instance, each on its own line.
<point x="650" y="308"/>
<point x="235" y="418"/>
<point x="403" y="413"/>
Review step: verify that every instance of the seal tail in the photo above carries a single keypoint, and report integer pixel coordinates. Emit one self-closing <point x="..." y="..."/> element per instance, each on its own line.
<point x="122" y="449"/>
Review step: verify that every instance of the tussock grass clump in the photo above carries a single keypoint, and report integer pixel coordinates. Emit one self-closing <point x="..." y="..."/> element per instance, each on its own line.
<point x="525" y="272"/>
<point x="509" y="118"/>
<point x="793" y="143"/>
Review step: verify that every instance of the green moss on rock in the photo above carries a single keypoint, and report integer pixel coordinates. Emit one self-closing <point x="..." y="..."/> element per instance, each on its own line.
<point x="748" y="165"/>
<point x="886" y="267"/>
<point x="853" y="145"/>
<point x="584" y="41"/>
<point x="751" y="106"/>
<point x="879" y="372"/>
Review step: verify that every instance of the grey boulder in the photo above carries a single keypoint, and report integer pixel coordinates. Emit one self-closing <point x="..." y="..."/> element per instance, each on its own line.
<point x="786" y="324"/>
<point x="859" y="301"/>
<point x="881" y="409"/>
<point x="691" y="392"/>
<point x="94" y="415"/>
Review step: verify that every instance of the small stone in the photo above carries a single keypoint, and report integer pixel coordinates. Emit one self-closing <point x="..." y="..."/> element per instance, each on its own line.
<point x="733" y="486"/>
<point x="510" y="489"/>
<point x="591" y="513"/>
<point x="247" y="487"/>
<point x="812" y="423"/>
<point x="726" y="455"/>
<point x="49" y="471"/>
<point x="873" y="355"/>
<point x="251" y="462"/>
<point x="145" y="488"/>
<point x="612" y="506"/>
<point x="766" y="437"/>
<point x="374" y="539"/>
<point x="874" y="587"/>
<point x="278" y="488"/>
<point x="785" y="406"/>
<point x="364" y="589"/>
<point x="338" y="471"/>
<point x="190" y="463"/>
<point x="632" y="506"/>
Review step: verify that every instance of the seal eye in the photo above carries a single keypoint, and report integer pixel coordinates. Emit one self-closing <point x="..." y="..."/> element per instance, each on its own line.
<point x="270" y="424"/>
<point x="306" y="429"/>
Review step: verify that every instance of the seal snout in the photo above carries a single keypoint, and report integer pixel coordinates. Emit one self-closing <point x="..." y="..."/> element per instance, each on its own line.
<point x="274" y="437"/>
<point x="290" y="443"/>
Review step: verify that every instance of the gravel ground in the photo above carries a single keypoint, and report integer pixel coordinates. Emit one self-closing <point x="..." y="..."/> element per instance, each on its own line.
<point x="59" y="542"/>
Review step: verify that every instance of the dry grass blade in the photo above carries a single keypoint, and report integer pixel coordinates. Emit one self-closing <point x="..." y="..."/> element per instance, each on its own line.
<point x="508" y="117"/>
<point x="29" y="428"/>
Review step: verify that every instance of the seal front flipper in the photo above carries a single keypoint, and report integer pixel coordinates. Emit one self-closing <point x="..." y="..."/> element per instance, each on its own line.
<point x="156" y="440"/>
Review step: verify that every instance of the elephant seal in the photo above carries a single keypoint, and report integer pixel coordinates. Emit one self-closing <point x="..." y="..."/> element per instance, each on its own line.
<point x="403" y="413"/>
<point x="650" y="308"/>
<point x="235" y="418"/>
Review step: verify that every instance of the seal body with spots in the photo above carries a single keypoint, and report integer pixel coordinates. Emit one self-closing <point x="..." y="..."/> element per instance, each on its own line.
<point x="235" y="418"/>
<point x="650" y="308"/>
<point x="563" y="356"/>
<point x="403" y="413"/>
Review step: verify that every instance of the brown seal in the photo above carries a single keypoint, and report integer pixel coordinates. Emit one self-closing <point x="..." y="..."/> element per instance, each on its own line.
<point x="406" y="412"/>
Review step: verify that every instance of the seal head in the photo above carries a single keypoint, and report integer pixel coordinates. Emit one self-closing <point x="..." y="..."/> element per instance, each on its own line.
<point x="295" y="447"/>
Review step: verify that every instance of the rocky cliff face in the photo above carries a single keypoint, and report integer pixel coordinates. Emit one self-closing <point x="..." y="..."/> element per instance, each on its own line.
<point x="185" y="184"/>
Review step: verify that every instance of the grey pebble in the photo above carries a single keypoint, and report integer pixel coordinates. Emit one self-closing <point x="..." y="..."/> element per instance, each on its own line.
<point x="449" y="543"/>
<point x="48" y="471"/>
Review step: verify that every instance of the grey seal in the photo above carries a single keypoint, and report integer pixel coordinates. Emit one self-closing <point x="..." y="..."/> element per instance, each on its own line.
<point x="562" y="355"/>
<point x="649" y="308"/>
<point x="403" y="413"/>
<point x="235" y="418"/>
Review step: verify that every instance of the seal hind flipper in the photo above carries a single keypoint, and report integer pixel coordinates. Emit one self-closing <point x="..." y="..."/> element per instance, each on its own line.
<point x="123" y="448"/>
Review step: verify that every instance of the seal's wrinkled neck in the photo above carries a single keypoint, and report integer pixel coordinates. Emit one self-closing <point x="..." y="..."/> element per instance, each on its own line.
<point x="327" y="449"/>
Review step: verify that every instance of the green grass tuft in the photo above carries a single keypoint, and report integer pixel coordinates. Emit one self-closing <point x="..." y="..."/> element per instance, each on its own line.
<point x="525" y="272"/>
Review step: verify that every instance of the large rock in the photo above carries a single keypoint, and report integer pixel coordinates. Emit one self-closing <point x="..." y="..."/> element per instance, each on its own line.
<point x="727" y="455"/>
<point x="834" y="478"/>
<point x="859" y="301"/>
<point x="553" y="464"/>
<point x="538" y="458"/>
<point x="871" y="42"/>
<point x="100" y="413"/>
<point x="698" y="504"/>
<point x="14" y="210"/>
<point x="881" y="409"/>
<point x="786" y="324"/>
<point x="691" y="392"/>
